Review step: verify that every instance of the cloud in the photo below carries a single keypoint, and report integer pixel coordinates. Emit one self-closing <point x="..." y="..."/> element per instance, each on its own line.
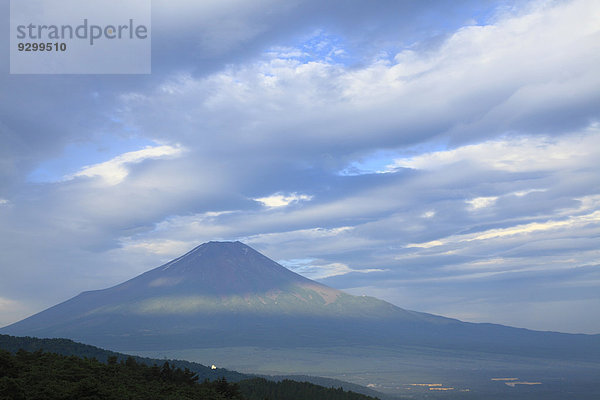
<point x="114" y="171"/>
<point x="522" y="193"/>
<point x="6" y="303"/>
<point x="525" y="229"/>
<point x="281" y="200"/>
<point x="11" y="310"/>
<point x="470" y="152"/>
<point x="314" y="270"/>
<point x="481" y="202"/>
<point x="170" y="248"/>
<point x="520" y="154"/>
<point x="304" y="108"/>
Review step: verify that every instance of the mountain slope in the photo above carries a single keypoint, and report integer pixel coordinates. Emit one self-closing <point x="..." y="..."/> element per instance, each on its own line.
<point x="227" y="294"/>
<point x="217" y="277"/>
<point x="214" y="290"/>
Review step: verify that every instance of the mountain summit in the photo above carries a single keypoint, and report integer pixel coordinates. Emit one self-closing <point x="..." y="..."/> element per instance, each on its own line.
<point x="218" y="268"/>
<point x="228" y="294"/>
<point x="214" y="291"/>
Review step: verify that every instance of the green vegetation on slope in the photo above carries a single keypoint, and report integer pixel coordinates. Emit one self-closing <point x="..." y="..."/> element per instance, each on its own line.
<point x="68" y="347"/>
<point x="51" y="376"/>
<point x="76" y="371"/>
<point x="262" y="389"/>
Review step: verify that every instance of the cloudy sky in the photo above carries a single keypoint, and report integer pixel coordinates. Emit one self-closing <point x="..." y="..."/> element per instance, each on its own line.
<point x="441" y="155"/>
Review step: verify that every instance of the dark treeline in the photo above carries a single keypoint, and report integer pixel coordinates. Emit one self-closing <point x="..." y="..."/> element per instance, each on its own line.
<point x="46" y="375"/>
<point x="50" y="376"/>
<point x="262" y="389"/>
<point x="68" y="347"/>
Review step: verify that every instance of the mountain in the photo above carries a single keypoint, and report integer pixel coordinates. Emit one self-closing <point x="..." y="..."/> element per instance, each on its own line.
<point x="227" y="294"/>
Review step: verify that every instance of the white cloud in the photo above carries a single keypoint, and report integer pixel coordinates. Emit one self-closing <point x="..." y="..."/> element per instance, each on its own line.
<point x="477" y="84"/>
<point x="115" y="171"/>
<point x="522" y="230"/>
<point x="301" y="234"/>
<point x="508" y="98"/>
<point x="3" y="201"/>
<point x="426" y="245"/>
<point x="161" y="247"/>
<point x="522" y="193"/>
<point x="481" y="202"/>
<point x="312" y="269"/>
<point x="428" y="214"/>
<point x="282" y="200"/>
<point x="524" y="154"/>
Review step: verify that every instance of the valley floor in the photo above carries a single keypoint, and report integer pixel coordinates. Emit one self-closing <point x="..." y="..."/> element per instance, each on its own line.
<point x="413" y="372"/>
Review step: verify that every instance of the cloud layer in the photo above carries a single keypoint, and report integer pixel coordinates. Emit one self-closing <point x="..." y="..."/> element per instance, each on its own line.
<point x="442" y="158"/>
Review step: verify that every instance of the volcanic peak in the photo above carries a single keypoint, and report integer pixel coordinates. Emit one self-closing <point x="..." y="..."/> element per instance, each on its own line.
<point x="218" y="268"/>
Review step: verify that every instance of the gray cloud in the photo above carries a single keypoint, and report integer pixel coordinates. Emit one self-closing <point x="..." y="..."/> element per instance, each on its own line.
<point x="487" y="134"/>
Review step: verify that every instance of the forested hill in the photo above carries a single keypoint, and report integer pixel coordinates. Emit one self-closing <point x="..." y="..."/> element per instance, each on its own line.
<point x="50" y="376"/>
<point x="42" y="373"/>
<point x="261" y="389"/>
<point x="68" y="347"/>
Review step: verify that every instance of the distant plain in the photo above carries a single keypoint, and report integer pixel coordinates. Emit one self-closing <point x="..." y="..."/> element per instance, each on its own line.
<point x="396" y="371"/>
